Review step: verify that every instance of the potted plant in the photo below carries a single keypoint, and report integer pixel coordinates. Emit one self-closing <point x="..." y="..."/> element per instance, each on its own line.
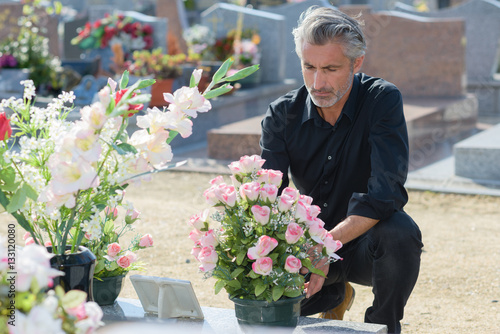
<point x="254" y="242"/>
<point x="26" y="303"/>
<point x="57" y="177"/>
<point x="164" y="68"/>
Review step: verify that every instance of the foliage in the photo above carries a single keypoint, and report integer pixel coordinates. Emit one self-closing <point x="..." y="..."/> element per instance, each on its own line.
<point x="27" y="307"/>
<point x="157" y="64"/>
<point x="256" y="242"/>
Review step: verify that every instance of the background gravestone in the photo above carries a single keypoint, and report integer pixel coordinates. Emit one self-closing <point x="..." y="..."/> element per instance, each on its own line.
<point x="482" y="43"/>
<point x="423" y="57"/>
<point x="271" y="28"/>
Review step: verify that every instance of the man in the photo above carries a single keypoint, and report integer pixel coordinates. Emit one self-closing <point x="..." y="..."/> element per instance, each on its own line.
<point x="343" y="138"/>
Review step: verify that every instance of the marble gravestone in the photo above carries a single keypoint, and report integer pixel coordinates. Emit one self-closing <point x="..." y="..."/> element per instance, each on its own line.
<point x="223" y="18"/>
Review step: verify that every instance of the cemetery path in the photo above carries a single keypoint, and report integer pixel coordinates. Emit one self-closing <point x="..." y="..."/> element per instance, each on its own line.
<point x="458" y="290"/>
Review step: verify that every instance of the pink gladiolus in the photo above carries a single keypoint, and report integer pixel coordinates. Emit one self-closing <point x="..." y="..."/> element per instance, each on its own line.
<point x="47" y="244"/>
<point x="189" y="100"/>
<point x="114" y="249"/>
<point x="208" y="258"/>
<point x="263" y="266"/>
<point x="293" y="233"/>
<point x="26" y="235"/>
<point x="264" y="246"/>
<point x="197" y="75"/>
<point x="250" y="191"/>
<point x="146" y="240"/>
<point x="269" y="192"/>
<point x="29" y="241"/>
<point x="176" y="120"/>
<point x="226" y="194"/>
<point x="261" y="214"/>
<point x="71" y="176"/>
<point x="285" y="202"/>
<point x="154" y="145"/>
<point x="292" y="264"/>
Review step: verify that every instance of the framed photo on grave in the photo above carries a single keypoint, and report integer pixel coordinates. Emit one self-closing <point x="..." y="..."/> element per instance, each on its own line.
<point x="168" y="297"/>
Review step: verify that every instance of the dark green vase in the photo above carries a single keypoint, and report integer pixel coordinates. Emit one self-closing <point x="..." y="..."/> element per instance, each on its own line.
<point x="283" y="313"/>
<point x="107" y="289"/>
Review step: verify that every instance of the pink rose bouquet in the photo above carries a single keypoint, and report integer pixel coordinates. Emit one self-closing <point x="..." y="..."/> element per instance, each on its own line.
<point x="253" y="241"/>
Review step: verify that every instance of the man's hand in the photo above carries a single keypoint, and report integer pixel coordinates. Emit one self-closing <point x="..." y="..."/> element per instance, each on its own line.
<point x="320" y="262"/>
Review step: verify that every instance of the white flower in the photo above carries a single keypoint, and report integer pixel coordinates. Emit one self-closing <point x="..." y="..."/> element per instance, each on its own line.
<point x="38" y="321"/>
<point x="154" y="146"/>
<point x="188" y="100"/>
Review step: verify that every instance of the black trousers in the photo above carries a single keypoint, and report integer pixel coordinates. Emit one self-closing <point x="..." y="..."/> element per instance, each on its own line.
<point x="387" y="257"/>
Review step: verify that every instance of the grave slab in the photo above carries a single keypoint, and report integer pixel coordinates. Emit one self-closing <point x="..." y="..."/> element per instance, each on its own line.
<point x="127" y="316"/>
<point x="478" y="157"/>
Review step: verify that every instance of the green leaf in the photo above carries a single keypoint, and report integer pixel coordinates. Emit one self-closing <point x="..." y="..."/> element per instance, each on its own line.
<point x="240" y="257"/>
<point x="124" y="148"/>
<point x="218" y="91"/>
<point x="221" y="72"/>
<point x="192" y="81"/>
<point x="73" y="298"/>
<point x="124" y="80"/>
<point x="243" y="73"/>
<point x="259" y="289"/>
<point x="292" y="293"/>
<point x="253" y="274"/>
<point x="8" y="176"/>
<point x="219" y="285"/>
<point x="237" y="271"/>
<point x="145" y="83"/>
<point x="278" y="292"/>
<point x="234" y="284"/>
<point x="17" y="200"/>
<point x="99" y="266"/>
<point x="30" y="192"/>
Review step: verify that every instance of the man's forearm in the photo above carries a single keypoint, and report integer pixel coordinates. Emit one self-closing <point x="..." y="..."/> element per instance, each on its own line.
<point x="351" y="228"/>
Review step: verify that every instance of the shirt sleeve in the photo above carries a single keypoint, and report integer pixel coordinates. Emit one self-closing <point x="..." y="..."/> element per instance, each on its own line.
<point x="273" y="143"/>
<point x="388" y="139"/>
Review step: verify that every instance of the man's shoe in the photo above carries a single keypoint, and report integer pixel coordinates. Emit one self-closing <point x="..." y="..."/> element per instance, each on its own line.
<point x="337" y="313"/>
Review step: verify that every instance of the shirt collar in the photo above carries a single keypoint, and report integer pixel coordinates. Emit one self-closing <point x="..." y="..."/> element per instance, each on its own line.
<point x="349" y="108"/>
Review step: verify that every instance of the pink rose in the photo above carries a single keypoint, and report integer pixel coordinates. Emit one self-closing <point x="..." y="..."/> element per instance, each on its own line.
<point x="301" y="212"/>
<point x="217" y="180"/>
<point x="293" y="233"/>
<point x="78" y="311"/>
<point x="195" y="235"/>
<point x="264" y="246"/>
<point x="198" y="220"/>
<point x="306" y="199"/>
<point x="195" y="251"/>
<point x="261" y="214"/>
<point x="209" y="195"/>
<point x="26" y="235"/>
<point x="208" y="258"/>
<point x="285" y="202"/>
<point x="146" y="240"/>
<point x="332" y="246"/>
<point x="126" y="260"/>
<point x="250" y="164"/>
<point x="250" y="191"/>
<point x="133" y="213"/>
<point x="269" y="192"/>
<point x="270" y="176"/>
<point x="114" y="249"/>
<point x="316" y="230"/>
<point x="292" y="264"/>
<point x="226" y="194"/>
<point x="111" y="213"/>
<point x="293" y="193"/>
<point x="209" y="239"/>
<point x="263" y="266"/>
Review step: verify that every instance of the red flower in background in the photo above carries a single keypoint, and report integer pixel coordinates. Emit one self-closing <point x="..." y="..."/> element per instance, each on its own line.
<point x="132" y="107"/>
<point x="5" y="129"/>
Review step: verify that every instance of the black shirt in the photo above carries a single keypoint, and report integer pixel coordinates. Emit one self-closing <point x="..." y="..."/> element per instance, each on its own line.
<point x="358" y="166"/>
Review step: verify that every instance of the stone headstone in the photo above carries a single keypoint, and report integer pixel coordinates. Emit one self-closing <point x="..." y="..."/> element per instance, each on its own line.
<point x="81" y="6"/>
<point x="423" y="57"/>
<point x="482" y="44"/>
<point x="271" y="28"/>
<point x="175" y="13"/>
<point x="292" y="12"/>
<point x="70" y="51"/>
<point x="10" y="12"/>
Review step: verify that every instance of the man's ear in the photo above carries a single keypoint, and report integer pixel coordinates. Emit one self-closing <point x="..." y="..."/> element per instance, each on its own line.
<point x="358" y="62"/>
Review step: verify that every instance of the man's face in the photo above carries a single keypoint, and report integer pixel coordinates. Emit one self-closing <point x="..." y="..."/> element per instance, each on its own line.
<point x="327" y="72"/>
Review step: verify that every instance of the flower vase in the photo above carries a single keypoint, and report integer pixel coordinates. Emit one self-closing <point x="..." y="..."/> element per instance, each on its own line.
<point x="107" y="289"/>
<point x="284" y="312"/>
<point x="78" y="270"/>
<point x="157" y="89"/>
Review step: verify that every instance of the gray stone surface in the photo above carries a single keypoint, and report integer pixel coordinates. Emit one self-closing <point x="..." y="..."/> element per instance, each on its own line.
<point x="478" y="157"/>
<point x="216" y="320"/>
<point x="292" y="12"/>
<point x="223" y="17"/>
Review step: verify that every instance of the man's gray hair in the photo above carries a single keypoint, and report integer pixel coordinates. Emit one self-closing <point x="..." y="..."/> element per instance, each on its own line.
<point x="322" y="25"/>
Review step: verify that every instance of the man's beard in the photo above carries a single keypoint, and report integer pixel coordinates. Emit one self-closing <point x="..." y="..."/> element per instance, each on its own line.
<point x="335" y="95"/>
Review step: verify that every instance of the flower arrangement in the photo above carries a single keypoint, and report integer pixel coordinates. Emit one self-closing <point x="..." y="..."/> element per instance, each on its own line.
<point x="65" y="181"/>
<point x="104" y="32"/>
<point x="157" y="64"/>
<point x="256" y="242"/>
<point x="245" y="52"/>
<point x="27" y="307"/>
<point x="199" y="40"/>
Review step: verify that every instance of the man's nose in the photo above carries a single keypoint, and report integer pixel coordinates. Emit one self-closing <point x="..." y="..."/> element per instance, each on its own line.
<point x="319" y="80"/>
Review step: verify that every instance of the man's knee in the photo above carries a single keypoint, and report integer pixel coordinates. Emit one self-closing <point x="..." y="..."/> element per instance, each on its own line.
<point x="398" y="231"/>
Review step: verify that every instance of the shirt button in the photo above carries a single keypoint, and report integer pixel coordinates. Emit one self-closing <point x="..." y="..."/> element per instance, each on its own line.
<point x="329" y="157"/>
<point x="325" y="205"/>
<point x="326" y="182"/>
